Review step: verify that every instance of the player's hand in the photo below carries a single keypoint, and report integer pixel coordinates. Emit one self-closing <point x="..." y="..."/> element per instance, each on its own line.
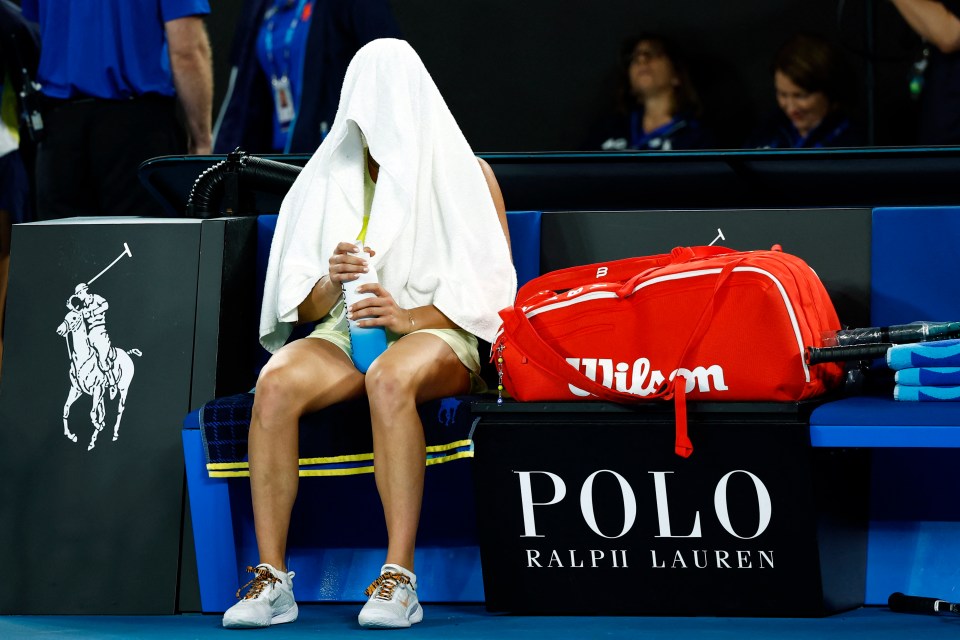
<point x="345" y="265"/>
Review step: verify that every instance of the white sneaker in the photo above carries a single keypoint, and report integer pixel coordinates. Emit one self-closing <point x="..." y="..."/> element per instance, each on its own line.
<point x="393" y="602"/>
<point x="268" y="601"/>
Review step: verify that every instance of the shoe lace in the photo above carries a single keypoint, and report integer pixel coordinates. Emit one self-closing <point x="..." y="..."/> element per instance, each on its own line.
<point x="261" y="578"/>
<point x="387" y="582"/>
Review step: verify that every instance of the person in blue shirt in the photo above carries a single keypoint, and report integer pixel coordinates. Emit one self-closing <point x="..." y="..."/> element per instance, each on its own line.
<point x="111" y="73"/>
<point x="19" y="44"/>
<point x="937" y="22"/>
<point x="288" y="61"/>
<point x="658" y="106"/>
<point x="812" y="85"/>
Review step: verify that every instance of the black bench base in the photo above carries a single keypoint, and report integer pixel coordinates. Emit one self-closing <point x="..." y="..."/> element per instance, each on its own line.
<point x="585" y="509"/>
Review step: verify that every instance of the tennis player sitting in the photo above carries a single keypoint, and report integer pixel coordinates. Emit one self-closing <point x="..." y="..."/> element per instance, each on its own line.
<point x="434" y="219"/>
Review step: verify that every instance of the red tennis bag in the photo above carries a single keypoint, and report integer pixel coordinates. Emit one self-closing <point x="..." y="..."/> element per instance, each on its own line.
<point x="705" y="323"/>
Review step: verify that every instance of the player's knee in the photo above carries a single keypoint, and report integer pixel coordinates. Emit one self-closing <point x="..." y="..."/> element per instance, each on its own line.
<point x="388" y="382"/>
<point x="276" y="390"/>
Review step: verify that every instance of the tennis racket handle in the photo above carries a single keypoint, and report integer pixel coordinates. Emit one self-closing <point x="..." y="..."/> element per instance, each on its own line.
<point x="916" y="604"/>
<point x="816" y="355"/>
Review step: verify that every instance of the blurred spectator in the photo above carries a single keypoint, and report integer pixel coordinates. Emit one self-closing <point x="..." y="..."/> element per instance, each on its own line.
<point x="812" y="85"/>
<point x="288" y="61"/>
<point x="111" y="73"/>
<point x="19" y="45"/>
<point x="938" y="24"/>
<point x="658" y="108"/>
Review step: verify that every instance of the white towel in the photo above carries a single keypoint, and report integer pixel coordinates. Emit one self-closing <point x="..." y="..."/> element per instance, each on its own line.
<point x="433" y="224"/>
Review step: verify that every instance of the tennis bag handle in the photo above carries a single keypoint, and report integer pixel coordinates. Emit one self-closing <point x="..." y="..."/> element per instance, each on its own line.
<point x="613" y="271"/>
<point x="537" y="350"/>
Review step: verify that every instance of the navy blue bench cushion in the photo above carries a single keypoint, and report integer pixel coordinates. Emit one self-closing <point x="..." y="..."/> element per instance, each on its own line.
<point x="334" y="442"/>
<point x="870" y="421"/>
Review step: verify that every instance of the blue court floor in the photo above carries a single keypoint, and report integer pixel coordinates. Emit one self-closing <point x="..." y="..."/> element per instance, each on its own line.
<point x="472" y="621"/>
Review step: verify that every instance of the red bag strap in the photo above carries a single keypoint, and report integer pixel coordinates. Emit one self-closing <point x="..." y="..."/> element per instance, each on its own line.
<point x="517" y="325"/>
<point x="613" y="271"/>
<point x="683" y="447"/>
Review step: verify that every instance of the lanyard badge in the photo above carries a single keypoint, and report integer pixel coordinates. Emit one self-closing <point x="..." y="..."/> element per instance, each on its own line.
<point x="279" y="79"/>
<point x="283" y="99"/>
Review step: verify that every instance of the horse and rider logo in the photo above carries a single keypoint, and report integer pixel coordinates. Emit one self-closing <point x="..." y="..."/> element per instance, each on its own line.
<point x="97" y="368"/>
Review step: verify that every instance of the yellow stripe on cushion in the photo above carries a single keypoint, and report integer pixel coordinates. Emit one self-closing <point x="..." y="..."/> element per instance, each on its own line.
<point x="244" y="471"/>
<point x="451" y="445"/>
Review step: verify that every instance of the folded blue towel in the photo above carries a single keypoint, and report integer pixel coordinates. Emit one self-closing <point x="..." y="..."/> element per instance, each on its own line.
<point x="928" y="377"/>
<point x="926" y="394"/>
<point x="942" y="353"/>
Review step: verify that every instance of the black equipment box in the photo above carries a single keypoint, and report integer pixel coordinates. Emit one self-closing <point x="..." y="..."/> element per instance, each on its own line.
<point x="583" y="508"/>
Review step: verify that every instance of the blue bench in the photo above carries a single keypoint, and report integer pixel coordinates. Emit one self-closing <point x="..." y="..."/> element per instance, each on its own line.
<point x="337" y="538"/>
<point x="914" y="535"/>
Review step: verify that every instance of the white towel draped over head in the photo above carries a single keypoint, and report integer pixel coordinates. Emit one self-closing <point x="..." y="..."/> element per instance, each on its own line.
<point x="433" y="224"/>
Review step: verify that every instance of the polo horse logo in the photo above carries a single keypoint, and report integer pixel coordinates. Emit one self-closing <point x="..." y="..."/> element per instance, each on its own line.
<point x="97" y="368"/>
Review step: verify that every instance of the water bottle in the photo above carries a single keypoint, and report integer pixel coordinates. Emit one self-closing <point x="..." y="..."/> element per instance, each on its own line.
<point x="366" y="343"/>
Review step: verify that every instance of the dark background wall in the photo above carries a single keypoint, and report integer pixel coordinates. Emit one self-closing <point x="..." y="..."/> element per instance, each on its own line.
<point x="533" y="75"/>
